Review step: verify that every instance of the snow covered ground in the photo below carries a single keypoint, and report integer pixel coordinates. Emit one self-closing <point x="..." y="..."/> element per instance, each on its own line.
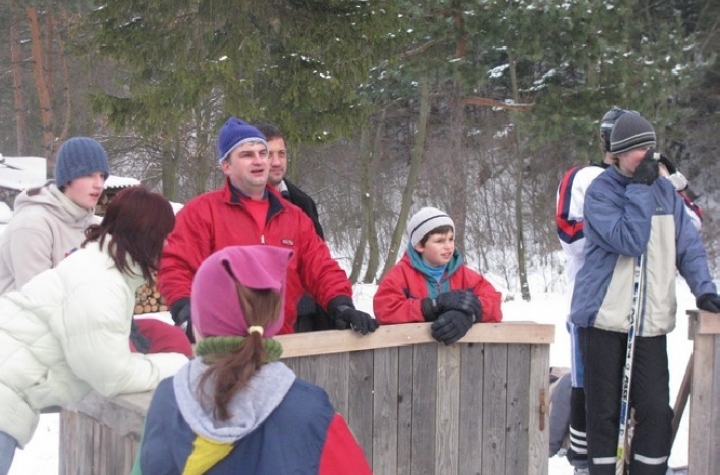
<point x="41" y="454"/>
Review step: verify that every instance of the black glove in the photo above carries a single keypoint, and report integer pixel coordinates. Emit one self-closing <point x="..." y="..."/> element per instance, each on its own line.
<point x="670" y="166"/>
<point x="180" y="312"/>
<point x="463" y="300"/>
<point x="345" y="315"/>
<point x="451" y="326"/>
<point x="647" y="171"/>
<point x="709" y="302"/>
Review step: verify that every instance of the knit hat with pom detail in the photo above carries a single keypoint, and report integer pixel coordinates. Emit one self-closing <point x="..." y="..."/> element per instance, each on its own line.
<point x="78" y="157"/>
<point x="631" y="131"/>
<point x="426" y="220"/>
<point x="234" y="133"/>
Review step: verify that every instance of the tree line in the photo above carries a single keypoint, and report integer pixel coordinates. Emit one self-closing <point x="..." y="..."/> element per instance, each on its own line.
<point x="477" y="107"/>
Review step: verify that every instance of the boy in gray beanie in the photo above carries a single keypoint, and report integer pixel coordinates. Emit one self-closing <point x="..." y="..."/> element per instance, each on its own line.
<point x="432" y="284"/>
<point x="50" y="221"/>
<point x="630" y="132"/>
<point x="636" y="226"/>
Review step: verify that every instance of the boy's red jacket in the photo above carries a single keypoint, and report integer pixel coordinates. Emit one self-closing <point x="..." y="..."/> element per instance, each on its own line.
<point x="400" y="292"/>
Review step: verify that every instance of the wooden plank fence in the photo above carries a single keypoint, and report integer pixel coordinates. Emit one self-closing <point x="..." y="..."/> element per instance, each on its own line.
<point x="416" y="406"/>
<point x="704" y="435"/>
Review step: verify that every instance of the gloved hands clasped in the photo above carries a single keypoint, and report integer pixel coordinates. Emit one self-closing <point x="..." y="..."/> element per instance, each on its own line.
<point x="648" y="170"/>
<point x="451" y="326"/>
<point x="452" y="314"/>
<point x="463" y="300"/>
<point x="709" y="302"/>
<point x="343" y="312"/>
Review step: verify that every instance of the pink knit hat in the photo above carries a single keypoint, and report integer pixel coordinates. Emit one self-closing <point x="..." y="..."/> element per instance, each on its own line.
<point x="215" y="305"/>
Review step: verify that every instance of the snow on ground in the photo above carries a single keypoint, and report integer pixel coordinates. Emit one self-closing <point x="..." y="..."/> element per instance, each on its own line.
<point x="40" y="456"/>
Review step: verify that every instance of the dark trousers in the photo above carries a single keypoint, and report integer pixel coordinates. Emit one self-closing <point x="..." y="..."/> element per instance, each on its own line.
<point x="577" y="454"/>
<point x="311" y="317"/>
<point x="604" y="359"/>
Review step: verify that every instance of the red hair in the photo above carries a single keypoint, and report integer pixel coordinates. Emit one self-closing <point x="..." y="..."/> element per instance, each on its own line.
<point x="138" y="221"/>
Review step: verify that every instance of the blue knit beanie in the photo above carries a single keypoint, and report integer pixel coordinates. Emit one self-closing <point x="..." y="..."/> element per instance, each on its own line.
<point x="234" y="133"/>
<point x="78" y="157"/>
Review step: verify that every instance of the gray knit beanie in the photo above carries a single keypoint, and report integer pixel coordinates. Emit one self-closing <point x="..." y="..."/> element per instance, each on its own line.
<point x="425" y="221"/>
<point x="78" y="157"/>
<point x="631" y="131"/>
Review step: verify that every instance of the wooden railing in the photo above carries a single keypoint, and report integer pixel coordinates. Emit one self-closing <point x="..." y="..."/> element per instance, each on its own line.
<point x="416" y="406"/>
<point x="704" y="436"/>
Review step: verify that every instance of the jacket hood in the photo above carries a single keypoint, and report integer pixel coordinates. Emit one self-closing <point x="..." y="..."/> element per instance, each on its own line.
<point x="249" y="408"/>
<point x="55" y="201"/>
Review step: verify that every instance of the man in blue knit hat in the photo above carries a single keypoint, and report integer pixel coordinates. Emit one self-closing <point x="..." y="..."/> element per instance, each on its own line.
<point x="50" y="221"/>
<point x="246" y="211"/>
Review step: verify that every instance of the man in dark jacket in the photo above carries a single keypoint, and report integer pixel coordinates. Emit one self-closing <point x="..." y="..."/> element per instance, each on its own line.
<point x="310" y="315"/>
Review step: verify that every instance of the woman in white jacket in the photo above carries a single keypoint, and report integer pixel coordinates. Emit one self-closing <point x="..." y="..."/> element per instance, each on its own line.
<point x="66" y="331"/>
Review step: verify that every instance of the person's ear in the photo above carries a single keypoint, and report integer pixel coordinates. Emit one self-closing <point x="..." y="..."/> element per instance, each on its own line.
<point x="419" y="248"/>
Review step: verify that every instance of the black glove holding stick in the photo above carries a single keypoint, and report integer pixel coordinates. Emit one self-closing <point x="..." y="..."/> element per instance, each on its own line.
<point x="463" y="300"/>
<point x="343" y="312"/>
<point x="648" y="170"/>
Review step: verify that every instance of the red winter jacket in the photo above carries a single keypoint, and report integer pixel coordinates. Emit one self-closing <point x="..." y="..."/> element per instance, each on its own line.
<point x="398" y="296"/>
<point x="218" y="219"/>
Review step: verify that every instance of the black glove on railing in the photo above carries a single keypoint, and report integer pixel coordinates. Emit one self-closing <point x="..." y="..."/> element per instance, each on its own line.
<point x="345" y="315"/>
<point x="464" y="300"/>
<point x="451" y="326"/>
<point x="180" y="313"/>
<point x="709" y="302"/>
<point x="647" y="171"/>
<point x="430" y="309"/>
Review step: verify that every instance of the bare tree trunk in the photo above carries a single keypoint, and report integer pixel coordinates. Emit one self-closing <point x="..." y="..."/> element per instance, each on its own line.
<point x="369" y="210"/>
<point x="18" y="95"/>
<point x="203" y="150"/>
<point x="65" y="83"/>
<point x="413" y="173"/>
<point x="42" y="86"/>
<point x="519" y="171"/>
<point x="458" y="170"/>
<point x="365" y="158"/>
<point x="47" y="42"/>
<point x="169" y="167"/>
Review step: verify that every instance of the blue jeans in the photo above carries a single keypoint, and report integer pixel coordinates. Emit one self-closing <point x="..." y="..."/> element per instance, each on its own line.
<point x="7" y="452"/>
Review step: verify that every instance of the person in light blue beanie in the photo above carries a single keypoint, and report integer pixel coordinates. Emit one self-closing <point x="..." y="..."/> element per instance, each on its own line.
<point x="50" y="221"/>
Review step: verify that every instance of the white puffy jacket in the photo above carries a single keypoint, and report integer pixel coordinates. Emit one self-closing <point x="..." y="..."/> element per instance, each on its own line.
<point x="65" y="332"/>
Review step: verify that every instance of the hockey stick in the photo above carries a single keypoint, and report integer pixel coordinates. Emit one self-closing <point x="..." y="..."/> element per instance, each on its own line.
<point x="638" y="297"/>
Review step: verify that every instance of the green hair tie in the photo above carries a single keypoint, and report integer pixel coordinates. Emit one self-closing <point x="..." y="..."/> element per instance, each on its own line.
<point x="213" y="347"/>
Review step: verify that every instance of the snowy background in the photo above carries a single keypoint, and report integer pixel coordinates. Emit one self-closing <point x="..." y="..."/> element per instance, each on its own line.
<point x="40" y="456"/>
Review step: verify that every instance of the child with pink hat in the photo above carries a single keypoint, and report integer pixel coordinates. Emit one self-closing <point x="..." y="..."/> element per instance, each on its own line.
<point x="236" y="404"/>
